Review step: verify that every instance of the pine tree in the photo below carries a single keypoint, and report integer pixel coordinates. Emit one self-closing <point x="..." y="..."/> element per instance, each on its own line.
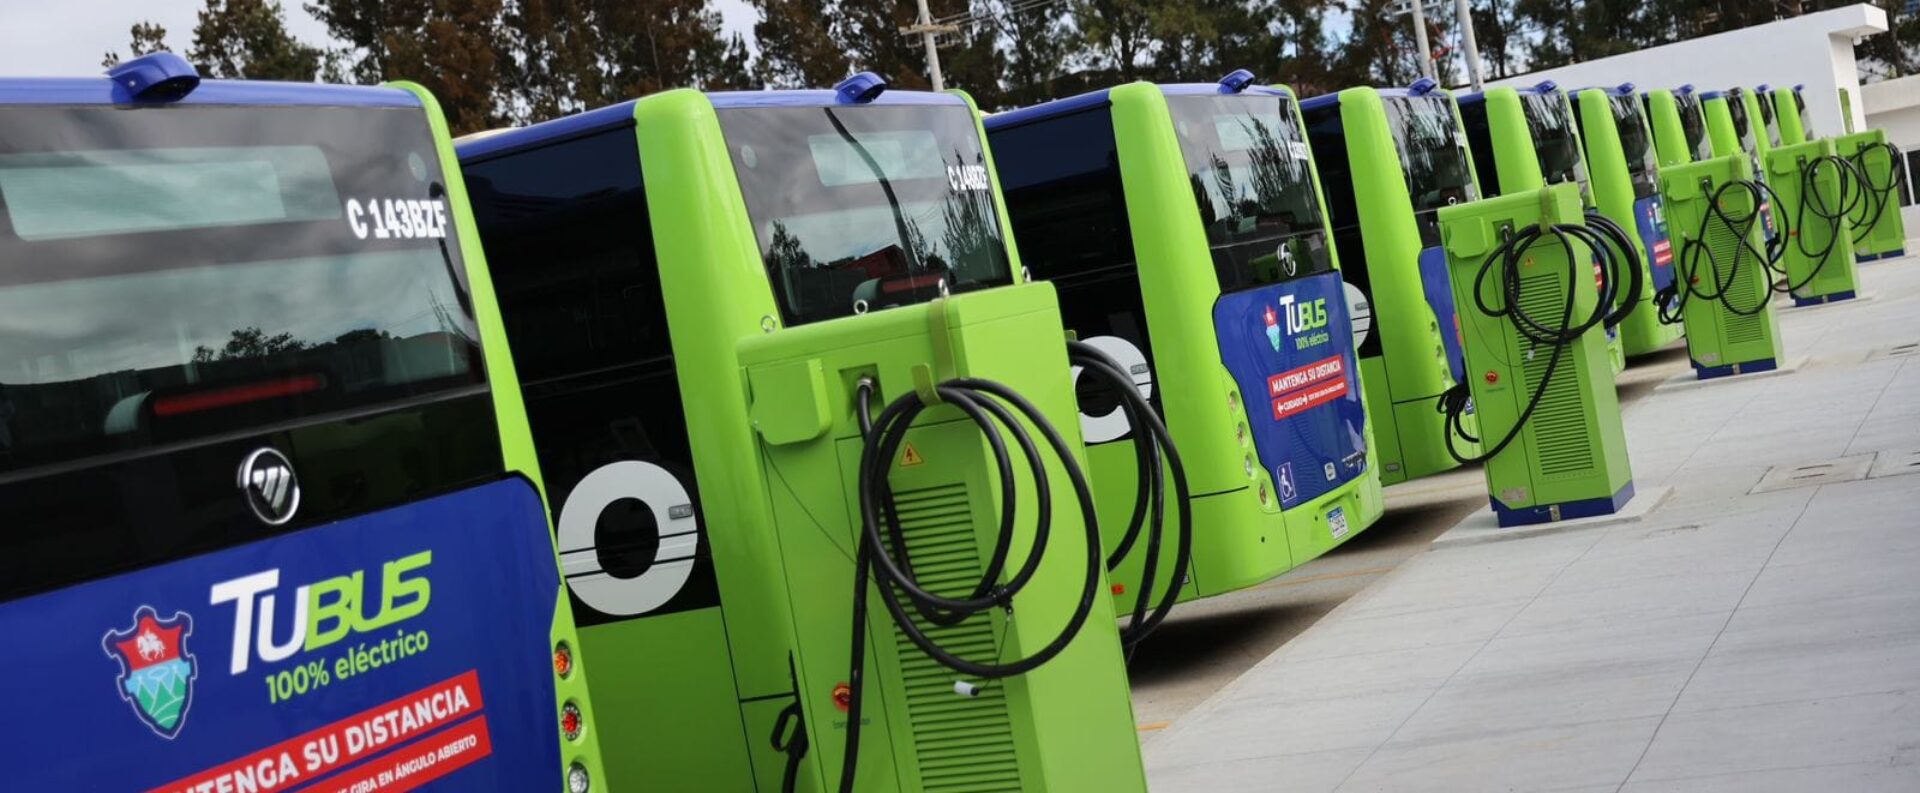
<point x="449" y="46"/>
<point x="249" y="39"/>
<point x="147" y="38"/>
<point x="797" y="45"/>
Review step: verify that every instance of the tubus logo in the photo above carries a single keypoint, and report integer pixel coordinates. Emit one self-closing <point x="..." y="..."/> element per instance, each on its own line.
<point x="156" y="671"/>
<point x="1303" y="317"/>
<point x="324" y="612"/>
<point x="272" y="490"/>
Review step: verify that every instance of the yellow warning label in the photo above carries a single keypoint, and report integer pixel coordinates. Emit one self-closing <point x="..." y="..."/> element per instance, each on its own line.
<point x="911" y="457"/>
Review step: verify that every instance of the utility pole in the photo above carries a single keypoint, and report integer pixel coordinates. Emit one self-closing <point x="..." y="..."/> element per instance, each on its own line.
<point x="1463" y="11"/>
<point x="1419" y="36"/>
<point x="926" y="29"/>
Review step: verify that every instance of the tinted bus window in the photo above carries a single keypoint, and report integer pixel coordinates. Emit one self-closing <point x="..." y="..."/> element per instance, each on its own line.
<point x="1328" y="136"/>
<point x="866" y="208"/>
<point x="1766" y="119"/>
<point x="1252" y="179"/>
<point x="1480" y="143"/>
<point x="1643" y="167"/>
<point x="570" y="247"/>
<point x="1694" y="123"/>
<point x="1555" y="140"/>
<point x="1061" y="179"/>
<point x="1742" y="126"/>
<point x="1432" y="152"/>
<point x="179" y="282"/>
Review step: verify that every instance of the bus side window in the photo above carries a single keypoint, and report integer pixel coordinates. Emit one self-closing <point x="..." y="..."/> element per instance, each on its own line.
<point x="1480" y="143"/>
<point x="1328" y="136"/>
<point x="1061" y="177"/>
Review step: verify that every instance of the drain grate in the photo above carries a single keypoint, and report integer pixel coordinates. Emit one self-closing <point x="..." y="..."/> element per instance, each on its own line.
<point x="1824" y="472"/>
<point x="1896" y="463"/>
<point x="1908" y="350"/>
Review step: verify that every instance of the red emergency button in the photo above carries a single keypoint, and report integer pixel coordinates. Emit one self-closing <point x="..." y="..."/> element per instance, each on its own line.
<point x="1492" y="377"/>
<point x="842" y="697"/>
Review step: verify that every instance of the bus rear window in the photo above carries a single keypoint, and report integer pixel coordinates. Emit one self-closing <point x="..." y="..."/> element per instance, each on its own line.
<point x="1737" y="110"/>
<point x="1635" y="142"/>
<point x="178" y="274"/>
<point x="1555" y="140"/>
<point x="1433" y="153"/>
<point x="864" y="208"/>
<point x="1694" y="123"/>
<point x="1252" y="178"/>
<point x="87" y="193"/>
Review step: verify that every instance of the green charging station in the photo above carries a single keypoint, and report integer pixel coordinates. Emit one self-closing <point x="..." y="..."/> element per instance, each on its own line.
<point x="1524" y="139"/>
<point x="1815" y="188"/>
<point x="1879" y="231"/>
<point x="1064" y="726"/>
<point x="1521" y="266"/>
<point x="1724" y="292"/>
<point x="1625" y="174"/>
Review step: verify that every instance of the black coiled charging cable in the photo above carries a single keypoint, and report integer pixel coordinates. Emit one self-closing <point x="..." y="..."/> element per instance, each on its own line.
<point x="1607" y="241"/>
<point x="886" y="557"/>
<point x="1693" y="251"/>
<point x="1153" y="447"/>
<point x="1834" y="211"/>
<point x="1878" y="196"/>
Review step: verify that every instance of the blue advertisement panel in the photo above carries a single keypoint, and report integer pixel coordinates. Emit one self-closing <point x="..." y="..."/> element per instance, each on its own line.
<point x="401" y="650"/>
<point x="1293" y="343"/>
<point x="1650" y="220"/>
<point x="1436" y="283"/>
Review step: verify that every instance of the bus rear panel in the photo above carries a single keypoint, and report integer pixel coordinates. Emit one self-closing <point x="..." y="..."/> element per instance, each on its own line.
<point x="265" y="531"/>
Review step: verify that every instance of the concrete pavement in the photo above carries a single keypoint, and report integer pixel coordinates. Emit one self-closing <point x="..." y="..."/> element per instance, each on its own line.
<point x="1738" y="637"/>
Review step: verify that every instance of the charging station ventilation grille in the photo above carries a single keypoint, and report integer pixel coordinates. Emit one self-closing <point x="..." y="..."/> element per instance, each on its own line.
<point x="1725" y="244"/>
<point x="1558" y="426"/>
<point x="961" y="743"/>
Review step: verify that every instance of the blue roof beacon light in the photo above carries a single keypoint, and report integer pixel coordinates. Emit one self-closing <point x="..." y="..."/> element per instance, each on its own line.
<point x="1422" y="86"/>
<point x="156" y="77"/>
<point x="1625" y="89"/>
<point x="1684" y="90"/>
<point x="1762" y="88"/>
<point x="860" y="88"/>
<point x="1236" y="81"/>
<point x="1546" y="87"/>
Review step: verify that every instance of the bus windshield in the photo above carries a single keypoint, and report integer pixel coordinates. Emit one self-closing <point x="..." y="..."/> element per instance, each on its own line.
<point x="1806" y="124"/>
<point x="1252" y="178"/>
<point x="864" y="208"/>
<point x="1695" y="126"/>
<point x="1433" y="153"/>
<point x="1631" y="122"/>
<point x="1555" y="141"/>
<point x="174" y="275"/>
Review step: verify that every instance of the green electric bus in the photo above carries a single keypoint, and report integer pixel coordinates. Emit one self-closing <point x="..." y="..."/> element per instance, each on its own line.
<point x="1524" y="139"/>
<point x="1679" y="126"/>
<point x="1731" y="128"/>
<point x="1626" y="188"/>
<point x="1790" y="115"/>
<point x="710" y="296"/>
<point x="1389" y="159"/>
<point x="249" y="357"/>
<point x="1183" y="227"/>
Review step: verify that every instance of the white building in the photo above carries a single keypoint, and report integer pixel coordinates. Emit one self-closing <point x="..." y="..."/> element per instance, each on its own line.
<point x="1813" y="49"/>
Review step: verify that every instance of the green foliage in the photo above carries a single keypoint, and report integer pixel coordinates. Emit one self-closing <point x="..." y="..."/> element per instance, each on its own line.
<point x="147" y="38"/>
<point x="248" y="39"/>
<point x="492" y="62"/>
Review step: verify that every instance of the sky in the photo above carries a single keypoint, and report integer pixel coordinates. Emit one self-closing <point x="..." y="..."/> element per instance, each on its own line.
<point x="68" y="37"/>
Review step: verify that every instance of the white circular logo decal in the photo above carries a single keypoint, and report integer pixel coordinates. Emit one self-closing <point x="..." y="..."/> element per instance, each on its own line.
<point x="1360" y="312"/>
<point x="1112" y="425"/>
<point x="663" y="495"/>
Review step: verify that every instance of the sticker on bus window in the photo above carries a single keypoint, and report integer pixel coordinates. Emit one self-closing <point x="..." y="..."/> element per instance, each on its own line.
<point x="397" y="218"/>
